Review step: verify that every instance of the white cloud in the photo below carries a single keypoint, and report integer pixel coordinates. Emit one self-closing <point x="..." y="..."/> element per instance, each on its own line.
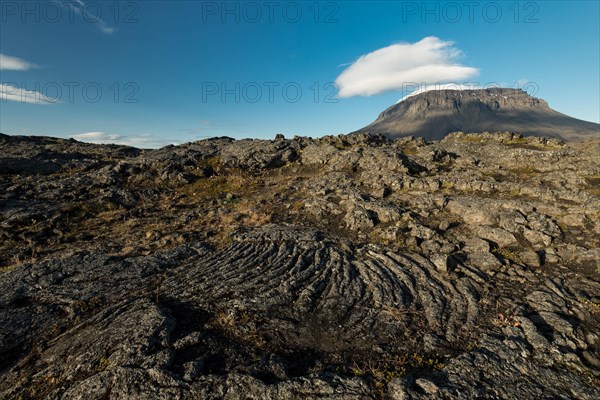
<point x="141" y="141"/>
<point x="208" y="129"/>
<point x="104" y="28"/>
<point x="427" y="61"/>
<point x="96" y="137"/>
<point x="14" y="63"/>
<point x="82" y="9"/>
<point x="14" y="93"/>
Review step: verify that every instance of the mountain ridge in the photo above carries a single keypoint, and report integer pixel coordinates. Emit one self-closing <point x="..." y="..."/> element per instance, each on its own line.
<point x="436" y="113"/>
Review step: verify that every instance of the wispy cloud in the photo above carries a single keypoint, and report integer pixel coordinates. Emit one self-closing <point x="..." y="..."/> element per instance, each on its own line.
<point x="141" y="141"/>
<point x="430" y="60"/>
<point x="14" y="93"/>
<point x="96" y="137"/>
<point x="15" y="63"/>
<point x="207" y="129"/>
<point x="82" y="9"/>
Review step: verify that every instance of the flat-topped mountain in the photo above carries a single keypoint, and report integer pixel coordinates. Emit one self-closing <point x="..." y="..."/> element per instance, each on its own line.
<point x="434" y="114"/>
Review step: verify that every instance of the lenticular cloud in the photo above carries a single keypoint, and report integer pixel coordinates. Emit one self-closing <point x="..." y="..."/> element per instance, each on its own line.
<point x="429" y="60"/>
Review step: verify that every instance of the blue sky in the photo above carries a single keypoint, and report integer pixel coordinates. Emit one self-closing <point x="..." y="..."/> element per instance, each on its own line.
<point x="149" y="73"/>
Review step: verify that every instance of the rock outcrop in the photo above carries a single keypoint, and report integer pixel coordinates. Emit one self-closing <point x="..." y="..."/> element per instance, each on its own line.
<point x="435" y="113"/>
<point x="347" y="267"/>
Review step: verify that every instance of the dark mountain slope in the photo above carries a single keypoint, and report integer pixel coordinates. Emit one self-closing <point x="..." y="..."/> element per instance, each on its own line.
<point x="434" y="114"/>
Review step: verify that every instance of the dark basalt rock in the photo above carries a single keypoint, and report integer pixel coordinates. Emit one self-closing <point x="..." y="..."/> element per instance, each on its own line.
<point x="346" y="267"/>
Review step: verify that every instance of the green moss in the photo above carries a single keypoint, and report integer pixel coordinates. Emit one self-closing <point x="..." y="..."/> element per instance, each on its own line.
<point x="102" y="364"/>
<point x="409" y="150"/>
<point x="526" y="143"/>
<point x="506" y="254"/>
<point x="471" y="139"/>
<point x="381" y="372"/>
<point x="214" y="163"/>
<point x="523" y="171"/>
<point x="237" y="184"/>
<point x="517" y="140"/>
<point x="593" y="185"/>
<point x="8" y="268"/>
<point x="447" y="185"/>
<point x="592" y="306"/>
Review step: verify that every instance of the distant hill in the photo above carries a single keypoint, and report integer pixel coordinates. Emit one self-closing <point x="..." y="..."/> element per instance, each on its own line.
<point x="434" y="114"/>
